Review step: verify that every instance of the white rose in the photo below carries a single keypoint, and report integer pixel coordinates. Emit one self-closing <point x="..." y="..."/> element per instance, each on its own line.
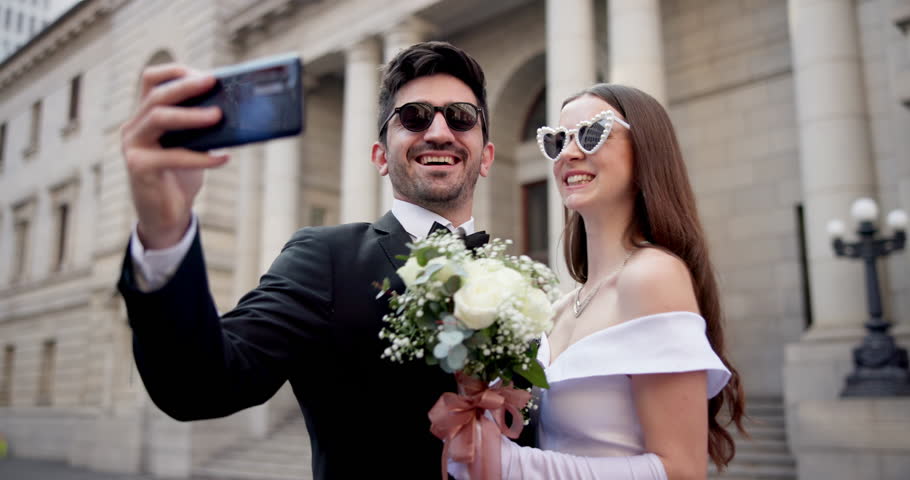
<point x="477" y="301"/>
<point x="482" y="266"/>
<point x="538" y="309"/>
<point x="409" y="271"/>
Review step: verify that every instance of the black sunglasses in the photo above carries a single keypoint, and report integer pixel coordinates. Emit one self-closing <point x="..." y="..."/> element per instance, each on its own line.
<point x="418" y="116"/>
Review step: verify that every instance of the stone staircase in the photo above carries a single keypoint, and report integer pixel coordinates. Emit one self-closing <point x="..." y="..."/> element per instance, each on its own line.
<point x="766" y="456"/>
<point x="283" y="455"/>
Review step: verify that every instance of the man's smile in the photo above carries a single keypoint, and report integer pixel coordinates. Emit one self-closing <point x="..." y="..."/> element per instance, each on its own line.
<point x="436" y="159"/>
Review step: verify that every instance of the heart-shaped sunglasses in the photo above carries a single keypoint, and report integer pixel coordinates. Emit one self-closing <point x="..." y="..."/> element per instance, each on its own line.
<point x="589" y="135"/>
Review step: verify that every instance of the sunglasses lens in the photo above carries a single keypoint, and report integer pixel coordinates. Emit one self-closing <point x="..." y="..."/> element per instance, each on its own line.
<point x="415" y="117"/>
<point x="553" y="143"/>
<point x="461" y="116"/>
<point x="589" y="136"/>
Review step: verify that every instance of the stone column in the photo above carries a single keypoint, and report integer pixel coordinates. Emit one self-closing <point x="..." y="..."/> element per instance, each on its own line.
<point x="636" y="46"/>
<point x="280" y="199"/>
<point x="835" y="150"/>
<point x="361" y="89"/>
<point x="571" y="67"/>
<point x="7" y="236"/>
<point x="249" y="208"/>
<point x="837" y="166"/>
<point x="405" y="33"/>
<point x="280" y="206"/>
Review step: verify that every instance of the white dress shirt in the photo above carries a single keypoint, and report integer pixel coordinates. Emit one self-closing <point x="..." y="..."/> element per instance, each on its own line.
<point x="155" y="267"/>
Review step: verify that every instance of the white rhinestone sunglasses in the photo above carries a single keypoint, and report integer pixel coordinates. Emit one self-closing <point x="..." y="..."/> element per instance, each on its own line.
<point x="589" y="135"/>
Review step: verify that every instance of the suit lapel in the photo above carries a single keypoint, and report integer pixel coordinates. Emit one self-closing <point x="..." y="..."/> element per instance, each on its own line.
<point x="393" y="239"/>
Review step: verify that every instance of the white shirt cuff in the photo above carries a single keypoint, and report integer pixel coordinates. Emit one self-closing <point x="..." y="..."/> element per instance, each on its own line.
<point x="153" y="268"/>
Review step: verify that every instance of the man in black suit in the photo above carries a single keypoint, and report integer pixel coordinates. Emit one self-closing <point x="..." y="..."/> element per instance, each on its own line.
<point x="314" y="319"/>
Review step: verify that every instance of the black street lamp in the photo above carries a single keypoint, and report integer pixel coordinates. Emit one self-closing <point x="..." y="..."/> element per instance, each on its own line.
<point x="880" y="366"/>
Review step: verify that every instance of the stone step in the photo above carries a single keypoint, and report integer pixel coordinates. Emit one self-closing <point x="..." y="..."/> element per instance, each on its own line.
<point x="765" y="458"/>
<point x="236" y="464"/>
<point x="766" y="421"/>
<point x="754" y="472"/>
<point x="272" y="456"/>
<point x="277" y="448"/>
<point x="219" y="473"/>
<point x="763" y="408"/>
<point x="763" y="432"/>
<point x="760" y="445"/>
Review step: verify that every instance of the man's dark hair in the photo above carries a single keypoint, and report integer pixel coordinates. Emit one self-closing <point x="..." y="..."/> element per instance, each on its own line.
<point x="430" y="58"/>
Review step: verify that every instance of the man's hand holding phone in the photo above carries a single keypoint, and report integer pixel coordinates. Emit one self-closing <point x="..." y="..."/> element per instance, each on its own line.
<point x="183" y="114"/>
<point x="165" y="181"/>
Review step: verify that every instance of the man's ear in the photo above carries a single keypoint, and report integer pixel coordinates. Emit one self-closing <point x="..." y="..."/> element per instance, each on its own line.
<point x="379" y="158"/>
<point x="486" y="158"/>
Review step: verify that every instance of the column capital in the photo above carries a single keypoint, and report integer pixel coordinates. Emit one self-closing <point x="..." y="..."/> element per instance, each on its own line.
<point x="636" y="46"/>
<point x="366" y="49"/>
<point x="411" y="25"/>
<point x="404" y="33"/>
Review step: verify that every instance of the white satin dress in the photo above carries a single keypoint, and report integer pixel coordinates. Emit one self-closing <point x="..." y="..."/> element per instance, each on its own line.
<point x="587" y="423"/>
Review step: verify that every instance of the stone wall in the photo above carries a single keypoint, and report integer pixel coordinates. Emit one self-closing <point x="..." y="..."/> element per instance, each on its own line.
<point x="730" y="85"/>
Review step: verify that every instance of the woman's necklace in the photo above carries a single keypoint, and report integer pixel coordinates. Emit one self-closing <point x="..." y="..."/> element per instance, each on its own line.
<point x="580" y="304"/>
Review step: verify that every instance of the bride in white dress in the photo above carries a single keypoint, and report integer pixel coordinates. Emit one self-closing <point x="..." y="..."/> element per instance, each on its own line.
<point x="636" y="360"/>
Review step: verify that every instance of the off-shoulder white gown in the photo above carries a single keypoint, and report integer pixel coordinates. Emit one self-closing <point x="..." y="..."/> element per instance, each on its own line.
<point x="587" y="423"/>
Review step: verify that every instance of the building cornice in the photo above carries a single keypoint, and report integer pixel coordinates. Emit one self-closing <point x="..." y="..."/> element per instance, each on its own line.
<point x="259" y="16"/>
<point x="56" y="36"/>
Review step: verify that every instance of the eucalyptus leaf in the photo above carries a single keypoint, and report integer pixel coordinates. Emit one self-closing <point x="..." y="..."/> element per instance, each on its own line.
<point x="427" y="273"/>
<point x="534" y="374"/>
<point x="452" y="285"/>
<point x="479" y="338"/>
<point x="457" y="356"/>
<point x="441" y="350"/>
<point x="421" y="257"/>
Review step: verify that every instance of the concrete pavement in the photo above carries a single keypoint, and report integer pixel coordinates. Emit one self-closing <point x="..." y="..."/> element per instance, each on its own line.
<point x="24" y="469"/>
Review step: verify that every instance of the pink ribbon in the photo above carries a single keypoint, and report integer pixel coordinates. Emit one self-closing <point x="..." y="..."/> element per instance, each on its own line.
<point x="454" y="418"/>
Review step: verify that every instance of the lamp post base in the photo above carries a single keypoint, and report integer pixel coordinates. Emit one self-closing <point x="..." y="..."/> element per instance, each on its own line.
<point x="881" y="366"/>
<point x="880" y="382"/>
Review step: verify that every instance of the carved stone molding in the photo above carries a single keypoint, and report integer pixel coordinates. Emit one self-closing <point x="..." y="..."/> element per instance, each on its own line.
<point x="260" y="17"/>
<point x="55" y="37"/>
<point x="900" y="13"/>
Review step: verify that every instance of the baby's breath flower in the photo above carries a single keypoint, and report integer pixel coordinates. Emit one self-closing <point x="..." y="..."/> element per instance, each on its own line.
<point x="423" y="312"/>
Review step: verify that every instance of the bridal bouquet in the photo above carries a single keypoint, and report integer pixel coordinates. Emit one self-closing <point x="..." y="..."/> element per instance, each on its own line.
<point x="477" y="315"/>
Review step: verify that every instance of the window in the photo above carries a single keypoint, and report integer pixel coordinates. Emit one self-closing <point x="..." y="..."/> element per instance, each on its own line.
<point x="8" y="17"/>
<point x="46" y="378"/>
<point x="6" y="388"/>
<point x="22" y="222"/>
<point x="536" y="118"/>
<point x="31" y="25"/>
<point x="2" y="145"/>
<point x="96" y="176"/>
<point x="75" y="83"/>
<point x="19" y="23"/>
<point x="21" y="233"/>
<point x="803" y="265"/>
<point x="535" y="220"/>
<point x="62" y="224"/>
<point x="35" y="133"/>
<point x="63" y="198"/>
<point x="317" y="216"/>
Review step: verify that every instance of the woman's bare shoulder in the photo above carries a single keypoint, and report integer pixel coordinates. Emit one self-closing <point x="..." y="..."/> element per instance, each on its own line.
<point x="655" y="281"/>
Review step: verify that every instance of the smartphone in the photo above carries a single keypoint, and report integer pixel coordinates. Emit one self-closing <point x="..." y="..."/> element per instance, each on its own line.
<point x="260" y="100"/>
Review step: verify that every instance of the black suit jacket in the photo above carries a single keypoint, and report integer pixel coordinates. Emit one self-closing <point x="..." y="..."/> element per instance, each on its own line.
<point x="314" y="320"/>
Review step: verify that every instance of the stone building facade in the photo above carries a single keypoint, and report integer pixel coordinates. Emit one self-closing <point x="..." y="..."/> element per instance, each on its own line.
<point x="787" y="110"/>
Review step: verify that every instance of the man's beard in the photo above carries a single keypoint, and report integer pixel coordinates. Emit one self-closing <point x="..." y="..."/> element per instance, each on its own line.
<point x="427" y="194"/>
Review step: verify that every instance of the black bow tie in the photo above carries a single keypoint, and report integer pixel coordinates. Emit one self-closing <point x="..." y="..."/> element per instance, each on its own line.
<point x="472" y="241"/>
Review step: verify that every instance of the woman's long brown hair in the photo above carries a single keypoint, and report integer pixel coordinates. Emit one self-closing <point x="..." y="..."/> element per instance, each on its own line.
<point x="665" y="214"/>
